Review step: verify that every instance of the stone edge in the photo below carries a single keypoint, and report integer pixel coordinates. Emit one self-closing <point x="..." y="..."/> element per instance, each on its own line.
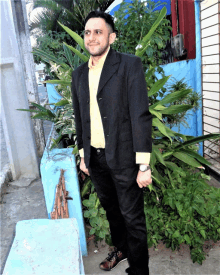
<point x="5" y="176"/>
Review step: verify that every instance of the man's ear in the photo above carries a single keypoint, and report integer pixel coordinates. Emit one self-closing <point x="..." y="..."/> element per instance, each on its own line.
<point x="112" y="37"/>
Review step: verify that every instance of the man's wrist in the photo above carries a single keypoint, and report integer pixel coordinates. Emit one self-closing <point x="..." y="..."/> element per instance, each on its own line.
<point x="144" y="167"/>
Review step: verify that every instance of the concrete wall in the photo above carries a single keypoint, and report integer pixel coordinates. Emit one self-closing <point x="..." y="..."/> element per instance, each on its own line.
<point x="17" y="125"/>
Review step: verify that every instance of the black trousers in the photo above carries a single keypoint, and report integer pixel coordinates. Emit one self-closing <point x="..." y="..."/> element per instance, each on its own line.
<point x="123" y="201"/>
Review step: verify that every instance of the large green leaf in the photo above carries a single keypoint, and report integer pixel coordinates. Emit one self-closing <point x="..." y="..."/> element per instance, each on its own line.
<point x="176" y="109"/>
<point x="196" y="155"/>
<point x="171" y="165"/>
<point x="29" y="110"/>
<point x="68" y="55"/>
<point x="82" y="56"/>
<point x="167" y="154"/>
<point x="58" y="81"/>
<point x="157" y="114"/>
<point x="50" y="114"/>
<point x="158" y="178"/>
<point x="143" y="49"/>
<point x="62" y="102"/>
<point x="158" y="85"/>
<point x="39" y="106"/>
<point x="187" y="159"/>
<point x="152" y="159"/>
<point x="173" y="97"/>
<point x="159" y="107"/>
<point x="145" y="41"/>
<point x="42" y="115"/>
<point x="199" y="139"/>
<point x="156" y="122"/>
<point x="76" y="37"/>
<point x="159" y="155"/>
<point x="49" y="57"/>
<point x="173" y="133"/>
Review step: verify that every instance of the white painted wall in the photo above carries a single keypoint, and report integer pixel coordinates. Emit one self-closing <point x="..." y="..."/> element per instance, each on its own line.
<point x="18" y="128"/>
<point x="210" y="34"/>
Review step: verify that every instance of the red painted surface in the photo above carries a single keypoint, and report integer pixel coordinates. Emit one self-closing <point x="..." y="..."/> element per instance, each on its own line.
<point x="186" y="13"/>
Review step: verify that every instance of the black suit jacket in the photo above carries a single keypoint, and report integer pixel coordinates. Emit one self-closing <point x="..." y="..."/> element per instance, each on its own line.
<point x="123" y="103"/>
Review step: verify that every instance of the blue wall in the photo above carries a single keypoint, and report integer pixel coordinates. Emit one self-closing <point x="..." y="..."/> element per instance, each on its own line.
<point x="191" y="71"/>
<point x="178" y="70"/>
<point x="53" y="95"/>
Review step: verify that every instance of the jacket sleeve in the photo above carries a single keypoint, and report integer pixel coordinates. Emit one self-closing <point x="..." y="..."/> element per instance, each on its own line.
<point x="141" y="118"/>
<point x="76" y="109"/>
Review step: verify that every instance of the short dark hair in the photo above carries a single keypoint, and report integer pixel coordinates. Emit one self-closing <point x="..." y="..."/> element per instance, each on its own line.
<point x="106" y="16"/>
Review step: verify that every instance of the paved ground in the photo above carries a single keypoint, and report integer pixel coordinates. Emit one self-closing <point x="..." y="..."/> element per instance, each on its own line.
<point x="23" y="203"/>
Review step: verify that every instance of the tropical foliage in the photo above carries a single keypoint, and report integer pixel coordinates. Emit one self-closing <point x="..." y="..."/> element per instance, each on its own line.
<point x="48" y="33"/>
<point x="180" y="206"/>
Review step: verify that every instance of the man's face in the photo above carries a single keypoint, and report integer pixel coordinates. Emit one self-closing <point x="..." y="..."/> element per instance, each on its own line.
<point x="97" y="36"/>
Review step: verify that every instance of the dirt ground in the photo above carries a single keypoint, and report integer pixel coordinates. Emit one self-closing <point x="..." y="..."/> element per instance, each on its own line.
<point x="162" y="260"/>
<point x="182" y="253"/>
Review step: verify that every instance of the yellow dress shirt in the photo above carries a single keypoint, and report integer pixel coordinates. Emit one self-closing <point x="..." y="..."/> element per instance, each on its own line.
<point x="97" y="133"/>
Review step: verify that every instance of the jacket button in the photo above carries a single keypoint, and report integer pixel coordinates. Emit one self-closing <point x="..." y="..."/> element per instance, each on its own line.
<point x="87" y="120"/>
<point x="105" y="116"/>
<point x="88" y="137"/>
<point x="88" y="101"/>
<point x="100" y="98"/>
<point x="107" y="135"/>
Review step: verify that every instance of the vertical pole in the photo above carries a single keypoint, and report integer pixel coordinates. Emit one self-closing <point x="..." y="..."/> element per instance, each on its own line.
<point x="24" y="44"/>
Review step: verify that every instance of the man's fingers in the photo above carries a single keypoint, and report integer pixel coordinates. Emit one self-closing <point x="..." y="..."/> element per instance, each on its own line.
<point x="144" y="184"/>
<point x="86" y="172"/>
<point x="140" y="184"/>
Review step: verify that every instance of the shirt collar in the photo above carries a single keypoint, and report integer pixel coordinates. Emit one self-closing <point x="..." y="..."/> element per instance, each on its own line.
<point x="100" y="62"/>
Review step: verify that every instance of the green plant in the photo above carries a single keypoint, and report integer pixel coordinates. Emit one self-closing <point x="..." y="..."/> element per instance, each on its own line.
<point x="44" y="23"/>
<point x="186" y="213"/>
<point x="51" y="43"/>
<point x="140" y="16"/>
<point x="97" y="218"/>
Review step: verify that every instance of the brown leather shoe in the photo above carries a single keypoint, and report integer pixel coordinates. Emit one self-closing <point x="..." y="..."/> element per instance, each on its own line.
<point x="113" y="259"/>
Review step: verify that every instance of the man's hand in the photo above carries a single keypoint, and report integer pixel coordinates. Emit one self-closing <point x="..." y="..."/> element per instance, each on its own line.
<point x="83" y="167"/>
<point x="144" y="178"/>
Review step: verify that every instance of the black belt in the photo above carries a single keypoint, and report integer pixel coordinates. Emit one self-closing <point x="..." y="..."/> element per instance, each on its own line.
<point x="97" y="150"/>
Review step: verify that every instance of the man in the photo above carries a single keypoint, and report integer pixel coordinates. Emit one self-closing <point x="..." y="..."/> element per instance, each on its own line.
<point x="113" y="127"/>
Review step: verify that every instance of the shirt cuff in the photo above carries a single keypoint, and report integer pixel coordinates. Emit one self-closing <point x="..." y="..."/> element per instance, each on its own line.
<point x="81" y="153"/>
<point x="142" y="158"/>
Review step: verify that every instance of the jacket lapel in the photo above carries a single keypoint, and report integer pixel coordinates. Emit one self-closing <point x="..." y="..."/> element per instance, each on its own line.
<point x="85" y="82"/>
<point x="110" y="66"/>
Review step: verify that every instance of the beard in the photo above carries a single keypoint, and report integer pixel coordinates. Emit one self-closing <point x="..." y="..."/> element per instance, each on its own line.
<point x="99" y="50"/>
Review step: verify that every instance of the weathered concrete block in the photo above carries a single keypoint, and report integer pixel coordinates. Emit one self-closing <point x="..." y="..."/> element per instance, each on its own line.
<point x="44" y="246"/>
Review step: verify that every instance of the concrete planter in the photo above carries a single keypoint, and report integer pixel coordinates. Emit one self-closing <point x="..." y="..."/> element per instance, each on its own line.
<point x="51" y="164"/>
